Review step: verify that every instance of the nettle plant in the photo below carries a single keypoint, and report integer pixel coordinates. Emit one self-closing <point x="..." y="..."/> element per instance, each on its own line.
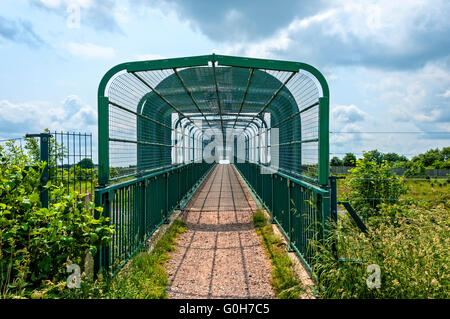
<point x="372" y="184"/>
<point x="36" y="243"/>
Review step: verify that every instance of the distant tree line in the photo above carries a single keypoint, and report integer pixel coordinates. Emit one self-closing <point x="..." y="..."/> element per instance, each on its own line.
<point x="432" y="159"/>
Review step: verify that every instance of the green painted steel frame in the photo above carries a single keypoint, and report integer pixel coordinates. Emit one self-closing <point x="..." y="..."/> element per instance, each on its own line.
<point x="135" y="219"/>
<point x="223" y="60"/>
<point x="105" y="193"/>
<point x="293" y="219"/>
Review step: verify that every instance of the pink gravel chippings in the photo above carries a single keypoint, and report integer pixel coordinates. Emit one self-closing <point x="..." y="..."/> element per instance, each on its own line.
<point x="220" y="256"/>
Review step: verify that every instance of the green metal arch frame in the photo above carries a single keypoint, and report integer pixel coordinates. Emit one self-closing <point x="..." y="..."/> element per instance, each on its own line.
<point x="145" y="98"/>
<point x="223" y="60"/>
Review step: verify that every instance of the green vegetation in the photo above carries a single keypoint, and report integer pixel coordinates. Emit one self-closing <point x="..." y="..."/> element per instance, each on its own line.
<point x="284" y="280"/>
<point x="432" y="159"/>
<point x="36" y="243"/>
<point x="408" y="237"/>
<point x="372" y="184"/>
<point x="432" y="191"/>
<point x="349" y="160"/>
<point x="86" y="163"/>
<point x="143" y="278"/>
<point x="409" y="244"/>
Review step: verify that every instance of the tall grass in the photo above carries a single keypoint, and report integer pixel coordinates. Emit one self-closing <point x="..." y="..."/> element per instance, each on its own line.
<point x="409" y="244"/>
<point x="284" y="281"/>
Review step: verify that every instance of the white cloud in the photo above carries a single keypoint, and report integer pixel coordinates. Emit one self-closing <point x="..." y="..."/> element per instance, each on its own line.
<point x="145" y="57"/>
<point x="390" y="34"/>
<point x="100" y="15"/>
<point x="347" y="114"/>
<point x="445" y="94"/>
<point x="17" y="113"/>
<point x="415" y="96"/>
<point x="32" y="117"/>
<point x="90" y="51"/>
<point x="55" y="4"/>
<point x="350" y="136"/>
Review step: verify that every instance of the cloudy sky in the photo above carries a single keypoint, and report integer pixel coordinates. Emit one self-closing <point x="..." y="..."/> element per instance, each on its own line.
<point x="387" y="62"/>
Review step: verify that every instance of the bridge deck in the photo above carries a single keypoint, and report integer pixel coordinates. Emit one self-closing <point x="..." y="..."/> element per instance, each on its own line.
<point x="220" y="256"/>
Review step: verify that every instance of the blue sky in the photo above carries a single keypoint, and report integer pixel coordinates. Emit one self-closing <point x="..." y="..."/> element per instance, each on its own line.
<point x="387" y="62"/>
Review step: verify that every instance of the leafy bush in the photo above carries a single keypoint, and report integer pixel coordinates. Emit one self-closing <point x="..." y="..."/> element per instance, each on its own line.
<point x="349" y="160"/>
<point x="372" y="184"/>
<point x="36" y="243"/>
<point x="409" y="244"/>
<point x="335" y="161"/>
<point x="144" y="277"/>
<point x="415" y="169"/>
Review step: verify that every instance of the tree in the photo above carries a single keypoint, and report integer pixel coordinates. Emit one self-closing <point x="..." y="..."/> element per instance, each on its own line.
<point x="446" y="153"/>
<point x="392" y="158"/>
<point x="433" y="158"/>
<point x="400" y="164"/>
<point x="32" y="147"/>
<point x="375" y="155"/>
<point x="349" y="160"/>
<point x="56" y="151"/>
<point x="428" y="158"/>
<point x="86" y="163"/>
<point x="415" y="169"/>
<point x="335" y="161"/>
<point x="372" y="184"/>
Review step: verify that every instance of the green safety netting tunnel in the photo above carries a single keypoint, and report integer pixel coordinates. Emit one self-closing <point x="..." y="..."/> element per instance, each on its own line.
<point x="158" y="118"/>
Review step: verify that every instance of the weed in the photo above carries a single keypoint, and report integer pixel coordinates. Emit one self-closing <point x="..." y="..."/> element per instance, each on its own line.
<point x="284" y="280"/>
<point x="144" y="278"/>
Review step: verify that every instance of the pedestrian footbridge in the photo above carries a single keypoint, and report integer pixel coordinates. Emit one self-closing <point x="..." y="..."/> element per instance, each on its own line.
<point x="167" y="128"/>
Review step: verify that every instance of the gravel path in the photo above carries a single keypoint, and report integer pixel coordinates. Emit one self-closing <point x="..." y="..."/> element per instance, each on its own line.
<point x="220" y="256"/>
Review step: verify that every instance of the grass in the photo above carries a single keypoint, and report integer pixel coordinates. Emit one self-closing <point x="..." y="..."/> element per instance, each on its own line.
<point x="144" y="278"/>
<point x="284" y="280"/>
<point x="410" y="245"/>
<point x="435" y="190"/>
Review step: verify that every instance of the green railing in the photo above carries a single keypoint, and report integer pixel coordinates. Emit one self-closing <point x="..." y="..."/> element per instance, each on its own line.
<point x="302" y="210"/>
<point x="138" y="207"/>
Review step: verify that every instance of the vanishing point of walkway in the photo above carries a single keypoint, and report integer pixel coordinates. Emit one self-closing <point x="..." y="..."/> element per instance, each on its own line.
<point x="220" y="256"/>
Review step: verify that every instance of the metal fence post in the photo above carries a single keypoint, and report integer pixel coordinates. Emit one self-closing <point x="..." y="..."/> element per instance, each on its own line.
<point x="324" y="140"/>
<point x="333" y="204"/>
<point x="101" y="258"/>
<point x="289" y="232"/>
<point x="166" y="212"/>
<point x="44" y="140"/>
<point x="143" y="200"/>
<point x="44" y="155"/>
<point x="273" y="188"/>
<point x="103" y="141"/>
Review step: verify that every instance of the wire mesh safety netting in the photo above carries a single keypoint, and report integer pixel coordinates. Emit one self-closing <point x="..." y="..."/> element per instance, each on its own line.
<point x="71" y="163"/>
<point x="165" y="117"/>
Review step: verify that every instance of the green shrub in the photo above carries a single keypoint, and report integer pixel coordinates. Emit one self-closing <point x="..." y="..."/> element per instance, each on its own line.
<point x="144" y="278"/>
<point x="415" y="169"/>
<point x="372" y="184"/>
<point x="37" y="243"/>
<point x="410" y="244"/>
